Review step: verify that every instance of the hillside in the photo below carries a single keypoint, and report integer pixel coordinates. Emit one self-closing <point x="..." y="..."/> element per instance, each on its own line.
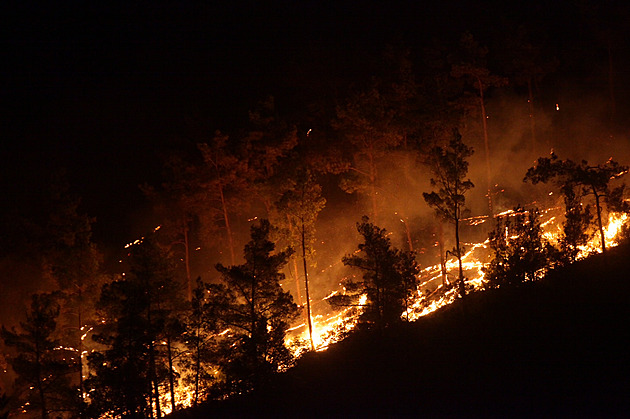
<point x="557" y="348"/>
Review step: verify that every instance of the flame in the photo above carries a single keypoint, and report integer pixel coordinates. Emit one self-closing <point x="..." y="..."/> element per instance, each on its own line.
<point x="333" y="326"/>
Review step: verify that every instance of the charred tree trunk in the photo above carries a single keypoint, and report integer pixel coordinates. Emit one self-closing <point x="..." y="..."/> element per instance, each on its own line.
<point x="226" y="220"/>
<point x="187" y="262"/>
<point x="373" y="184"/>
<point x="532" y="120"/>
<point x="458" y="251"/>
<point x="154" y="380"/>
<point x="254" y="332"/>
<point x="484" y="122"/>
<point x="171" y="378"/>
<point x="308" y="297"/>
<point x="80" y="348"/>
<point x="197" y="365"/>
<point x="408" y="233"/>
<point x="152" y="365"/>
<point x="40" y="379"/>
<point x="295" y="266"/>
<point x="611" y="83"/>
<point x="442" y="252"/>
<point x="598" y="208"/>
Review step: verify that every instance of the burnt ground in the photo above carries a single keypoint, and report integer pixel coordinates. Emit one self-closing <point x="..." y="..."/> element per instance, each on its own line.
<point x="557" y="348"/>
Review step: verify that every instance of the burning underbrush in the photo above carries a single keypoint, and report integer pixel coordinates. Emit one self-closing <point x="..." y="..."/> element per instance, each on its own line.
<point x="435" y="288"/>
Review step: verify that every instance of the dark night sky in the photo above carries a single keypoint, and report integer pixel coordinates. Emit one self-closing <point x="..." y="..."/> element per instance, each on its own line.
<point x="103" y="90"/>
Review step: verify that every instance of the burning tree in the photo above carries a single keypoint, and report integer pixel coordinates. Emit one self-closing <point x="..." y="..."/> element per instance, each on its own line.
<point x="388" y="280"/>
<point x="255" y="312"/>
<point x="578" y="180"/>
<point x="43" y="366"/>
<point x="449" y="166"/>
<point x="520" y="251"/>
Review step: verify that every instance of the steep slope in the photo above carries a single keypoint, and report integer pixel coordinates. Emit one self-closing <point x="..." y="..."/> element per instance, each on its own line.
<point x="557" y="348"/>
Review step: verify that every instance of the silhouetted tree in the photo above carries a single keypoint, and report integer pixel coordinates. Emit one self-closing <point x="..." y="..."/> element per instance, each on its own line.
<point x="223" y="181"/>
<point x="255" y="312"/>
<point x="450" y="167"/>
<point x="200" y="340"/>
<point x="179" y="203"/>
<point x="4" y="406"/>
<point x="366" y="122"/>
<point x="471" y="65"/>
<point x="576" y="228"/>
<point x="526" y="65"/>
<point x="388" y="278"/>
<point x="267" y="143"/>
<point x="301" y="203"/>
<point x="43" y="365"/>
<point x="520" y="253"/>
<point x="139" y="311"/>
<point x="73" y="262"/>
<point x="588" y="180"/>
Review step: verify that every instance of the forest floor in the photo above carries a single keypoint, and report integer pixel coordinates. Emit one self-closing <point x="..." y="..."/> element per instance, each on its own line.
<point x="555" y="348"/>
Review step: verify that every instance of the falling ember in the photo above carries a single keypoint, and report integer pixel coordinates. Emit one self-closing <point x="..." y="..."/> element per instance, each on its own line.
<point x="557" y="107"/>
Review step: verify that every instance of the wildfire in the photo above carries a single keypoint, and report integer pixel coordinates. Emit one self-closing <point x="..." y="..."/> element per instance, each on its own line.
<point x="432" y="294"/>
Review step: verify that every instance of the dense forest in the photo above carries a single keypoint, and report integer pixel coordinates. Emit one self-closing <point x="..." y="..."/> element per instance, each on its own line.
<point x="366" y="190"/>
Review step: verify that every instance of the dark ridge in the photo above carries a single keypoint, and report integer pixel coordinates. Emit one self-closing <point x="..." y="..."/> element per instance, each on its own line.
<point x="557" y="348"/>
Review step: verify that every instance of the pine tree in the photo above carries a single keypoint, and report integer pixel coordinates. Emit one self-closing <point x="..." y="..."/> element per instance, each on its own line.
<point x="301" y="203"/>
<point x="200" y="340"/>
<point x="520" y="252"/>
<point x="366" y="122"/>
<point x="449" y="167"/>
<point x="139" y="311"/>
<point x="255" y="312"/>
<point x="73" y="262"/>
<point x="580" y="180"/>
<point x="388" y="278"/>
<point x="43" y="366"/>
<point x="472" y="66"/>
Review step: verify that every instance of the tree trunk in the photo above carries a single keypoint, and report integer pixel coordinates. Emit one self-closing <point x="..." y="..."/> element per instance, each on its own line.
<point x="484" y="121"/>
<point x="226" y="220"/>
<point x="409" y="242"/>
<point x="224" y="209"/>
<point x="532" y="120"/>
<point x="599" y="220"/>
<point x="80" y="349"/>
<point x="442" y="253"/>
<point x="40" y="379"/>
<point x="156" y="388"/>
<point x="611" y="83"/>
<point x="254" y="327"/>
<point x="308" y="297"/>
<point x="187" y="262"/>
<point x="152" y="365"/>
<point x="373" y="185"/>
<point x="462" y="285"/>
<point x="295" y="266"/>
<point x="171" y="380"/>
<point x="197" y="366"/>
